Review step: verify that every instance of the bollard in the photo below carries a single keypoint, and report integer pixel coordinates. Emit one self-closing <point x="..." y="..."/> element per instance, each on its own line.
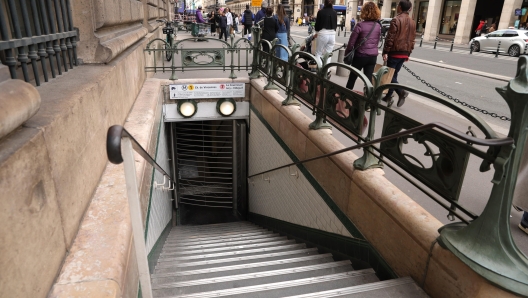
<point x="344" y="35"/>
<point x="421" y="40"/>
<point x="338" y="32"/>
<point x="498" y="48"/>
<point x="452" y="42"/>
<point x="436" y="40"/>
<point x="471" y="48"/>
<point x="341" y="71"/>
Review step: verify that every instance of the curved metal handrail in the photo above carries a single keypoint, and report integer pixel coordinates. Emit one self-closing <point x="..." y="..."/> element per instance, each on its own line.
<point x="113" y="148"/>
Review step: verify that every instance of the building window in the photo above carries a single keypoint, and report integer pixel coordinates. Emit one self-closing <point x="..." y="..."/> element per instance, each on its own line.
<point x="421" y="17"/>
<point x="393" y="9"/>
<point x="450" y="17"/>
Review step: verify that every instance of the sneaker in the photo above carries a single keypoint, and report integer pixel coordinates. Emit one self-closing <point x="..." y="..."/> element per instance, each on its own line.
<point x="401" y="99"/>
<point x="523" y="227"/>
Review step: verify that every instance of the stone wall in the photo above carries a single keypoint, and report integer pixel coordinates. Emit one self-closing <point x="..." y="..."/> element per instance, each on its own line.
<point x="50" y="166"/>
<point x="396" y="226"/>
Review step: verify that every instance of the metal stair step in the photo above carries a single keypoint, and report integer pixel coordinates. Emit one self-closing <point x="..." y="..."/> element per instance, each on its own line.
<point x="267" y="265"/>
<point x="214" y="226"/>
<point x="188" y="258"/>
<point x="219" y="239"/>
<point x="290" y="287"/>
<point x="238" y="248"/>
<point x="209" y="232"/>
<point x="176" y="266"/>
<point x="404" y="287"/>
<point x="251" y="279"/>
<point x="226" y="243"/>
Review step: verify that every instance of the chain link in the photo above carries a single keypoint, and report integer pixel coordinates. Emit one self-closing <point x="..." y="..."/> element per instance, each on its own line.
<point x="456" y="100"/>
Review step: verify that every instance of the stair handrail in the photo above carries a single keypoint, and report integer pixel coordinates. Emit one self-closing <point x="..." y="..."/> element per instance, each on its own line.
<point x="120" y="147"/>
<point x="496" y="142"/>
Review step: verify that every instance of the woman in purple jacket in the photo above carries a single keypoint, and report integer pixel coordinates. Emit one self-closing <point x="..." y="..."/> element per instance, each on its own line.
<point x="366" y="55"/>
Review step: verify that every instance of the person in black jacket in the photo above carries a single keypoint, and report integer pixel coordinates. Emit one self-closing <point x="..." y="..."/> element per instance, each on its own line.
<point x="223" y="26"/>
<point x="247" y="21"/>
<point x="325" y="28"/>
<point x="211" y="18"/>
<point x="269" y="28"/>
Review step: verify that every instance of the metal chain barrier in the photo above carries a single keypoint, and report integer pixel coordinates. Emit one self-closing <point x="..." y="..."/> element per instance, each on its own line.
<point x="456" y="100"/>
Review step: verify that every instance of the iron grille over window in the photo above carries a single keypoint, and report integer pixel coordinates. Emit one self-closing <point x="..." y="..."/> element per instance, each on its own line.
<point x="37" y="30"/>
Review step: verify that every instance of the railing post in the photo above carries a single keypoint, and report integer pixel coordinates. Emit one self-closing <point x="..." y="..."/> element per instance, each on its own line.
<point x="254" y="65"/>
<point x="368" y="160"/>
<point x="486" y="244"/>
<point x="421" y="40"/>
<point x="498" y="48"/>
<point x="436" y="40"/>
<point x="320" y="121"/>
<point x="135" y="217"/>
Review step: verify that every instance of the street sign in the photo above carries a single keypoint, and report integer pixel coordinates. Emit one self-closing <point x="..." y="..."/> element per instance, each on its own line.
<point x="518" y="12"/>
<point x="256" y="3"/>
<point x="197" y="91"/>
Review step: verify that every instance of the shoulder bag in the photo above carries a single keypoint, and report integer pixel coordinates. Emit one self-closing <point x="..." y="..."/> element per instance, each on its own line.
<point x="350" y="56"/>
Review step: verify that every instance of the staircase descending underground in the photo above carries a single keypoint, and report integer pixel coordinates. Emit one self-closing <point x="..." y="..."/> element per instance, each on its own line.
<point x="240" y="259"/>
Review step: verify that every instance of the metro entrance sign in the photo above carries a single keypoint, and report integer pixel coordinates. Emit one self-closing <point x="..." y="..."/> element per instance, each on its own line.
<point x="256" y="3"/>
<point x="198" y="91"/>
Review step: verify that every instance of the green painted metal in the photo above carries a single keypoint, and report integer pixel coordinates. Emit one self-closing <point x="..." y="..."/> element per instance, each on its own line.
<point x="486" y="245"/>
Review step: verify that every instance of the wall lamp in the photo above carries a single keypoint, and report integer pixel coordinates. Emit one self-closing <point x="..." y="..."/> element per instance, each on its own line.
<point x="226" y="106"/>
<point x="187" y="108"/>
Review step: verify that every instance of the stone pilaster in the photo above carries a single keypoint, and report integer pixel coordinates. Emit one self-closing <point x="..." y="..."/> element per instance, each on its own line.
<point x="352" y="13"/>
<point x="465" y="21"/>
<point x="508" y="17"/>
<point x="434" y="13"/>
<point x="386" y="8"/>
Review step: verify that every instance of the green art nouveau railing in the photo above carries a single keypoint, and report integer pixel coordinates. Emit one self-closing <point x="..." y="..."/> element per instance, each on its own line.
<point x="484" y="241"/>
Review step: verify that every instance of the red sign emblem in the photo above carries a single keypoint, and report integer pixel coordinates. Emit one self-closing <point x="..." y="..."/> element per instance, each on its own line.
<point x="222" y="86"/>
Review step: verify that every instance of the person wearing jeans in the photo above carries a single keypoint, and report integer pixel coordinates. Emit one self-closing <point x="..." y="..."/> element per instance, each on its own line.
<point x="399" y="44"/>
<point x="364" y="41"/>
<point x="325" y="28"/>
<point x="282" y="34"/>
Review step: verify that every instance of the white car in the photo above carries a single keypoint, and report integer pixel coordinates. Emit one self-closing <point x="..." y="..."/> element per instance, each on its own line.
<point x="512" y="41"/>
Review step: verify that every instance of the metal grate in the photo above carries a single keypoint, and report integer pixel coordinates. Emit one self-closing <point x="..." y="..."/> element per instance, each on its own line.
<point x="204" y="158"/>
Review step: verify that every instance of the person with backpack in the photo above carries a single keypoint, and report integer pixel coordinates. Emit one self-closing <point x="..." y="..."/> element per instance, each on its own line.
<point x="262" y="12"/>
<point x="247" y="21"/>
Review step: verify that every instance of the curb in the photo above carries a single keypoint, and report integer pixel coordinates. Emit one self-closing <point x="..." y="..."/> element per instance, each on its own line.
<point x="461" y="69"/>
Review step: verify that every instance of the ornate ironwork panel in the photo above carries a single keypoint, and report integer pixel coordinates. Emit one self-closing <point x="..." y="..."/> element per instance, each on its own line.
<point x="448" y="159"/>
<point x="305" y="84"/>
<point x="280" y="71"/>
<point x="344" y="106"/>
<point x="205" y="57"/>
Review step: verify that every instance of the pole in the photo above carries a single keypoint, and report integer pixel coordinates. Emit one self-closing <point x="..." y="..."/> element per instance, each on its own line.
<point x="421" y="40"/>
<point x="498" y="48"/>
<point x="452" y="42"/>
<point x="471" y="48"/>
<point x="436" y="40"/>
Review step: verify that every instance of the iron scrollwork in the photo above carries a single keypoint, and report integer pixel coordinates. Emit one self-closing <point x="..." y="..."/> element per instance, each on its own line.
<point x="199" y="58"/>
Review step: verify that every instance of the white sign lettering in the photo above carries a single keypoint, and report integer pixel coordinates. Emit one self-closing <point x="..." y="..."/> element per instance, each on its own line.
<point x="222" y="90"/>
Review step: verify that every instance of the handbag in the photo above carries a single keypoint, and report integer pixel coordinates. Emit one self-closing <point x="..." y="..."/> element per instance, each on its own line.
<point x="350" y="56"/>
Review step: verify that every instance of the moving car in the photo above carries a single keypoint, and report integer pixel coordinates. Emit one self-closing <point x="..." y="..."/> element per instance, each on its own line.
<point x="512" y="42"/>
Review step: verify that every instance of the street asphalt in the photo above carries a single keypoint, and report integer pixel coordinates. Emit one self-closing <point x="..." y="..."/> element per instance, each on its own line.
<point x="440" y="68"/>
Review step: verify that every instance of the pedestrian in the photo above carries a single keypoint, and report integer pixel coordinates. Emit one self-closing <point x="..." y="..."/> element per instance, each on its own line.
<point x="229" y="17"/>
<point x="492" y="28"/>
<point x="217" y="20"/>
<point x="325" y="30"/>
<point x="237" y="23"/>
<point x="199" y="16"/>
<point x="364" y="39"/>
<point x="342" y="23"/>
<point x="299" y="21"/>
<point x="270" y="27"/>
<point x="478" y="31"/>
<point x="399" y="44"/>
<point x="352" y="24"/>
<point x="211" y="18"/>
<point x="262" y="12"/>
<point x="247" y="20"/>
<point x="282" y="34"/>
<point x="223" y="26"/>
<point x="304" y="21"/>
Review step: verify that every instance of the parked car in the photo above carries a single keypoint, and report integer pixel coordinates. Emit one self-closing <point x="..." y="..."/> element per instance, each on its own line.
<point x="512" y="42"/>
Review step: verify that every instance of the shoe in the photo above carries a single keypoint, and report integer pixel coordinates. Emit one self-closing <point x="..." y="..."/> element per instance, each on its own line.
<point x="388" y="98"/>
<point x="401" y="99"/>
<point x="523" y="227"/>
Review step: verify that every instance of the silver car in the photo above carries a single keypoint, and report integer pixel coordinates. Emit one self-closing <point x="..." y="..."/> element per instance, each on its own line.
<point x="512" y="41"/>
